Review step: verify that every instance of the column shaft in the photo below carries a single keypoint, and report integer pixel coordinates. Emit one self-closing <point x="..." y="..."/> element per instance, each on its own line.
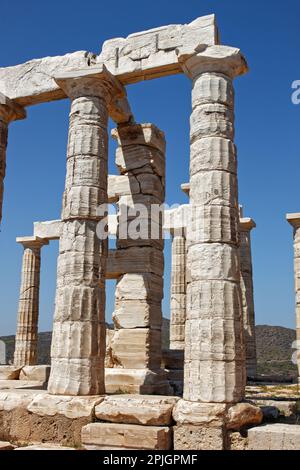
<point x="214" y="352"/>
<point x="297" y="289"/>
<point x="28" y="313"/>
<point x="178" y="293"/>
<point x="248" y="298"/>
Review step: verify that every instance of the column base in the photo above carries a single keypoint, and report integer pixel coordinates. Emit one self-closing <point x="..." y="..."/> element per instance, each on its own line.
<point x="208" y="426"/>
<point x="137" y="381"/>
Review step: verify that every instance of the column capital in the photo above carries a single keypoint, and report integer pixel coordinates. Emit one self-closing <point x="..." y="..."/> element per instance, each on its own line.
<point x="32" y="242"/>
<point x="92" y="81"/>
<point x="247" y="224"/>
<point x="140" y="134"/>
<point x="294" y="219"/>
<point x="9" y="110"/>
<point x="212" y="59"/>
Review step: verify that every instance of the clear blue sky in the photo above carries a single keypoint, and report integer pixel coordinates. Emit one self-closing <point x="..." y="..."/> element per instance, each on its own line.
<point x="267" y="131"/>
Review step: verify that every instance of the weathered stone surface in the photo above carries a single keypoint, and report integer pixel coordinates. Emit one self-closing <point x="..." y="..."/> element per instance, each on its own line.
<point x="246" y="225"/>
<point x="199" y="414"/>
<point x="9" y="372"/>
<point x="178" y="293"/>
<point x="274" y="437"/>
<point x="134" y="260"/>
<point x="33" y="83"/>
<point x="134" y="409"/>
<point x="284" y="408"/>
<point x="35" y="373"/>
<point x="49" y="230"/>
<point x="121" y="185"/>
<point x="9" y="400"/>
<point x="188" y="437"/>
<point x="126" y="436"/>
<point x="236" y="442"/>
<point x="243" y="414"/>
<point x="137" y="348"/>
<point x="70" y="407"/>
<point x="21" y="384"/>
<point x="45" y="446"/>
<point x="137" y="314"/>
<point x="139" y="287"/>
<point x="6" y="446"/>
<point x="28" y="312"/>
<point x="134" y="158"/>
<point x="137" y="381"/>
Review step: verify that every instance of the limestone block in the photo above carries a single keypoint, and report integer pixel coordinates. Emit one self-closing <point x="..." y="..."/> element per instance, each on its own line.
<point x="189" y="437"/>
<point x="217" y="188"/>
<point x="213" y="153"/>
<point x="9" y="372"/>
<point x="140" y="134"/>
<point x="135" y="260"/>
<point x="32" y="82"/>
<point x="35" y="373"/>
<point x="243" y="414"/>
<point x="137" y="409"/>
<point x="214" y="261"/>
<point x="133" y="157"/>
<point x="136" y="381"/>
<point x="126" y="436"/>
<point x="21" y="384"/>
<point x="274" y="437"/>
<point x="212" y="120"/>
<point x="213" y="88"/>
<point x="121" y="185"/>
<point x="140" y="287"/>
<point x="85" y="144"/>
<point x="12" y="399"/>
<point x="199" y="414"/>
<point x="69" y="297"/>
<point x="152" y="54"/>
<point x="137" y="348"/>
<point x="82" y="202"/>
<point x="49" y="230"/>
<point x="137" y="314"/>
<point x="70" y="407"/>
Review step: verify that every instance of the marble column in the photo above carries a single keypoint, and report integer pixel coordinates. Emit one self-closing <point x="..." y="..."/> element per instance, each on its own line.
<point x="178" y="292"/>
<point x="214" y="350"/>
<point x="9" y="111"/>
<point x="78" y="343"/>
<point x="28" y="314"/>
<point x="294" y="220"/>
<point x="246" y="225"/>
<point x="136" y="349"/>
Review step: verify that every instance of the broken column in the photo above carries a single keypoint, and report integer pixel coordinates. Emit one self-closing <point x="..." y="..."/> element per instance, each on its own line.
<point x="28" y="314"/>
<point x="140" y="191"/>
<point x="294" y="220"/>
<point x="9" y="111"/>
<point x="246" y="225"/>
<point x="78" y="343"/>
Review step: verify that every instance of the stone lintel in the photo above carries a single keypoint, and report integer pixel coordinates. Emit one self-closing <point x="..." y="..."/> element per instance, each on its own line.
<point x="294" y="219"/>
<point x="186" y="187"/>
<point x="9" y="110"/>
<point x="247" y="224"/>
<point x="212" y="59"/>
<point x="49" y="230"/>
<point x="32" y="242"/>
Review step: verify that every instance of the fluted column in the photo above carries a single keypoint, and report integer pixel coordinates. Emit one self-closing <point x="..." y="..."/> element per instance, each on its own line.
<point x="78" y="343"/>
<point x="28" y="313"/>
<point x="294" y="220"/>
<point x="214" y="351"/>
<point x="9" y="111"/>
<point x="178" y="292"/>
<point x="246" y="225"/>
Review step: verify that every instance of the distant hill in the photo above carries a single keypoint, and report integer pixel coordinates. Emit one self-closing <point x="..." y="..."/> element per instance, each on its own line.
<point x="274" y="348"/>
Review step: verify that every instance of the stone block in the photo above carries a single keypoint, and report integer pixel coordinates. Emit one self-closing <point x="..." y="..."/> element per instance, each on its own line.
<point x="133" y="157"/>
<point x="137" y="314"/>
<point x="243" y="414"/>
<point x="126" y="436"/>
<point x="189" y="437"/>
<point x="140" y="287"/>
<point x="199" y="414"/>
<point x="67" y="406"/>
<point x="274" y="437"/>
<point x="9" y="372"/>
<point x="136" y="348"/>
<point x="35" y="373"/>
<point x="121" y="185"/>
<point x="137" y="409"/>
<point x="136" y="381"/>
<point x="134" y="261"/>
<point x="140" y="134"/>
<point x="6" y="446"/>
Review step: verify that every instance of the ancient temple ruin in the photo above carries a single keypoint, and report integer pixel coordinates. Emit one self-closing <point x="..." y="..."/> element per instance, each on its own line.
<point x="197" y="386"/>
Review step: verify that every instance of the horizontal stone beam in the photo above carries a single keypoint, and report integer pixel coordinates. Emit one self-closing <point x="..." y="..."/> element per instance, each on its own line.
<point x="152" y="54"/>
<point x="49" y="230"/>
<point x="140" y="56"/>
